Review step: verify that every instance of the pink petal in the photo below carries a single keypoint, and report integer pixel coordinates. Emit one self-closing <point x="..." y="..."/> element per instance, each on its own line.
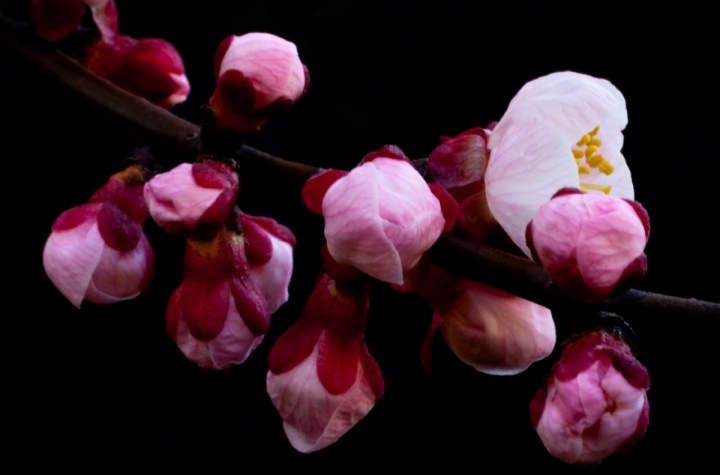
<point x="70" y="258"/>
<point x="611" y="238"/>
<point x="176" y="201"/>
<point x="273" y="277"/>
<point x="354" y="229"/>
<point x="313" y="418"/>
<point x="530" y="162"/>
<point x="121" y="275"/>
<point x="555" y="233"/>
<point x="270" y="62"/>
<point x="496" y="332"/>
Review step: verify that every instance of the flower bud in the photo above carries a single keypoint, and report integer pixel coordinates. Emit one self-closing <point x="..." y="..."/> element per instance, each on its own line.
<point x="381" y="217"/>
<point x="258" y="74"/>
<point x="149" y="67"/>
<point x="493" y="331"/>
<point x="594" y="403"/>
<point x="98" y="251"/>
<point x="322" y="380"/>
<point x="591" y="244"/>
<point x="190" y="196"/>
<point x="217" y="316"/>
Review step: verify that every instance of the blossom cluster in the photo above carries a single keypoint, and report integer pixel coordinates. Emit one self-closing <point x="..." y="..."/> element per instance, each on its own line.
<point x="547" y="180"/>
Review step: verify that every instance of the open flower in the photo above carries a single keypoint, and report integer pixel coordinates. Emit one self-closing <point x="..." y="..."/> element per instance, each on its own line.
<point x="382" y="216"/>
<point x="257" y="74"/>
<point x="98" y="251"/>
<point x="594" y="403"/>
<point x="322" y="380"/>
<point x="591" y="244"/>
<point x="492" y="331"/>
<point x="563" y="130"/>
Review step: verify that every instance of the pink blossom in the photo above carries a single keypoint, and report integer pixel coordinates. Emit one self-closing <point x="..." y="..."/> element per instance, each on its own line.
<point x="98" y="251"/>
<point x="270" y="256"/>
<point x="381" y="217"/>
<point x="218" y="315"/>
<point x="561" y="130"/>
<point x="189" y="196"/>
<point x="591" y="244"/>
<point x="594" y="403"/>
<point x="493" y="331"/>
<point x="258" y="74"/>
<point x="322" y="380"/>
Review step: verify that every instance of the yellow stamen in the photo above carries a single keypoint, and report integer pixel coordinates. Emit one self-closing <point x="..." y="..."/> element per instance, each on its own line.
<point x="589" y="186"/>
<point x="590" y="150"/>
<point x="578" y="153"/>
<point x="606" y="167"/>
<point x="595" y="161"/>
<point x="582" y="170"/>
<point x="585" y="139"/>
<point x="594" y="131"/>
<point x="596" y="142"/>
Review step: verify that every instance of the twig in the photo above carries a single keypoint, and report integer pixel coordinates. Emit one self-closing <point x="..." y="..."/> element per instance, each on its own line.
<point x="161" y="129"/>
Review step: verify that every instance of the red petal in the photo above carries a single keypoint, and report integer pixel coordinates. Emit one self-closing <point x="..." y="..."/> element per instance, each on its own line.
<point x="386" y="151"/>
<point x="315" y="188"/>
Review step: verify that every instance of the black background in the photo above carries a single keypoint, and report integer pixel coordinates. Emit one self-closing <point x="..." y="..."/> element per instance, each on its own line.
<point x="104" y="389"/>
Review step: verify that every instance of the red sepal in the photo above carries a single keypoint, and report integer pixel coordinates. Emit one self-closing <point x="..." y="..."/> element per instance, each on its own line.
<point x="117" y="229"/>
<point x="205" y="303"/>
<point x="537" y="404"/>
<point x="429" y="341"/>
<point x="251" y="304"/>
<point x="259" y="247"/>
<point x="386" y="151"/>
<point x="336" y="270"/>
<point x="566" y="191"/>
<point x="279" y="231"/>
<point x="74" y="217"/>
<point x="337" y="363"/>
<point x="294" y="346"/>
<point x="173" y="313"/>
<point x="220" y="54"/>
<point x="642" y="214"/>
<point x="631" y="276"/>
<point x="450" y="207"/>
<point x="315" y="188"/>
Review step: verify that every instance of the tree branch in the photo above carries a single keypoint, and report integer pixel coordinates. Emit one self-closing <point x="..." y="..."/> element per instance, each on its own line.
<point x="163" y="130"/>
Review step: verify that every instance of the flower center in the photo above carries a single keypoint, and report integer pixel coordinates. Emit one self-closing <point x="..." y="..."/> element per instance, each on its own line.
<point x="589" y="157"/>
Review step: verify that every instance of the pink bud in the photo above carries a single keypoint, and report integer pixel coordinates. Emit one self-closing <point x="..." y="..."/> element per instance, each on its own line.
<point x="150" y="68"/>
<point x="217" y="316"/>
<point x="98" y="251"/>
<point x="381" y="218"/>
<point x="461" y="160"/>
<point x="591" y="244"/>
<point x="322" y="380"/>
<point x="594" y="403"/>
<point x="270" y="256"/>
<point x="496" y="332"/>
<point x="190" y="195"/>
<point x="258" y="74"/>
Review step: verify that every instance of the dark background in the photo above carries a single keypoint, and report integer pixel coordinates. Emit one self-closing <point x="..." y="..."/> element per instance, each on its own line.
<point x="104" y="389"/>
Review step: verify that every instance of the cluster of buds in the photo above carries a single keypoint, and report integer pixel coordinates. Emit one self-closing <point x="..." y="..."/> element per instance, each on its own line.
<point x="147" y="67"/>
<point x="98" y="251"/>
<point x="237" y="267"/>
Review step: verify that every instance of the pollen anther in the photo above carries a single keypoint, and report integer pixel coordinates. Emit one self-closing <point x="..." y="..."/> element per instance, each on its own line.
<point x="594" y="131"/>
<point x="585" y="139"/>
<point x="583" y="170"/>
<point x="590" y="150"/>
<point x="596" y="142"/>
<point x="606" y="167"/>
<point x="578" y="153"/>
<point x="595" y="161"/>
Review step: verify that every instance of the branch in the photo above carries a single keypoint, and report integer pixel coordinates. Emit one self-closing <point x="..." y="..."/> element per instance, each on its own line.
<point x="163" y="130"/>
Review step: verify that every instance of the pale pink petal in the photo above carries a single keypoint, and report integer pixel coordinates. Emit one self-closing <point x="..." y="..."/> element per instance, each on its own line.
<point x="411" y="215"/>
<point x="120" y="275"/>
<point x="314" y="418"/>
<point x="623" y="405"/>
<point x="572" y="103"/>
<point x="270" y="62"/>
<point x="231" y="346"/>
<point x="273" y="277"/>
<point x="530" y="163"/>
<point x="70" y="258"/>
<point x="555" y="433"/>
<point x="496" y="332"/>
<point x="175" y="200"/>
<point x="611" y="238"/>
<point x="354" y="229"/>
